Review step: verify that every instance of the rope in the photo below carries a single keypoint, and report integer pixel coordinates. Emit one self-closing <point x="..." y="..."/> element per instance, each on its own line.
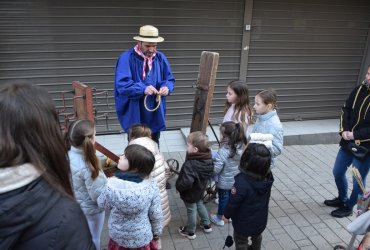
<point x="158" y="100"/>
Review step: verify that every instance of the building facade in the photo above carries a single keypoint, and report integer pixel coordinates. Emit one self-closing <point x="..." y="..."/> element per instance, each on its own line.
<point x="311" y="52"/>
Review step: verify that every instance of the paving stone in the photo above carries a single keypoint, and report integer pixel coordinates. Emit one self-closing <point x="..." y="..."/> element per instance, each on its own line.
<point x="200" y="242"/>
<point x="277" y="212"/>
<point x="294" y="232"/>
<point x="311" y="217"/>
<point x="185" y="245"/>
<point x="329" y="235"/>
<point x="286" y="242"/>
<point x="272" y="223"/>
<point x="320" y="242"/>
<point x="304" y="243"/>
<point x="272" y="245"/>
<point x="298" y="219"/>
<point x="284" y="221"/>
<point x="308" y="248"/>
<point x="309" y="231"/>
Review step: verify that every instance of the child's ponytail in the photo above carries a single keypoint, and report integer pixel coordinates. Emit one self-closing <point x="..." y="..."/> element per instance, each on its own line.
<point x="90" y="156"/>
<point x="234" y="132"/>
<point x="80" y="135"/>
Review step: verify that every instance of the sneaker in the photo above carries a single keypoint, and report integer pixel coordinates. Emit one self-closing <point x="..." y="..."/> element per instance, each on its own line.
<point x="334" y="203"/>
<point x="342" y="212"/>
<point x="206" y="228"/>
<point x="217" y="221"/>
<point x="190" y="236"/>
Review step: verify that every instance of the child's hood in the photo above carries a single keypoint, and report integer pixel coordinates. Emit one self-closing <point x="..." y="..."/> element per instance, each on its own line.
<point x="260" y="186"/>
<point x="202" y="163"/>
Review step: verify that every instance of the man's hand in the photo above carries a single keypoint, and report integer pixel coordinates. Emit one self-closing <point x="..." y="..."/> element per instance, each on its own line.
<point x="150" y="90"/>
<point x="163" y="91"/>
<point x="347" y="135"/>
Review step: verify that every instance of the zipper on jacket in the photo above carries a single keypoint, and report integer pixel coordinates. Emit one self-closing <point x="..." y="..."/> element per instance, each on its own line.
<point x="366" y="110"/>
<point x="358" y="120"/>
<point x="354" y="102"/>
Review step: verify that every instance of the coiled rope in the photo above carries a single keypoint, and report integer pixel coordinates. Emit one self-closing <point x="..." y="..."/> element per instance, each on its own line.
<point x="157" y="99"/>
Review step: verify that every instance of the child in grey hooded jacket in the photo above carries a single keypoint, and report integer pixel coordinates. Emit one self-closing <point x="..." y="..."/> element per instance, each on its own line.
<point x="226" y="164"/>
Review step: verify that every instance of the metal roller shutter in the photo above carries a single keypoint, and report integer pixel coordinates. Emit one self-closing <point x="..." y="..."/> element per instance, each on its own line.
<point x="310" y="51"/>
<point x="52" y="43"/>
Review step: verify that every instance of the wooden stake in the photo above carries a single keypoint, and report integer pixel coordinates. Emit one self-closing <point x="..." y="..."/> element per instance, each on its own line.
<point x="204" y="93"/>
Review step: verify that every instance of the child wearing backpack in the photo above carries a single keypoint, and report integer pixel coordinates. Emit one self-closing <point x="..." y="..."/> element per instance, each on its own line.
<point x="226" y="164"/>
<point x="250" y="196"/>
<point x="136" y="219"/>
<point x="192" y="182"/>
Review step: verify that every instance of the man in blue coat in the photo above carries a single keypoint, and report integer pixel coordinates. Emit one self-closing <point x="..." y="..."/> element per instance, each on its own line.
<point x="143" y="71"/>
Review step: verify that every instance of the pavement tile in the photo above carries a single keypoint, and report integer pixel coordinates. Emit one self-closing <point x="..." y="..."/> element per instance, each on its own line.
<point x="309" y="231"/>
<point x="277" y="212"/>
<point x="298" y="219"/>
<point x="304" y="243"/>
<point x="272" y="245"/>
<point x="294" y="232"/>
<point x="286" y="242"/>
<point x="320" y="242"/>
<point x="329" y="235"/>
<point x="285" y="220"/>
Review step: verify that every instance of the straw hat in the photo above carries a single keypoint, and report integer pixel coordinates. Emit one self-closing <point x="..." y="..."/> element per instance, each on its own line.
<point x="149" y="34"/>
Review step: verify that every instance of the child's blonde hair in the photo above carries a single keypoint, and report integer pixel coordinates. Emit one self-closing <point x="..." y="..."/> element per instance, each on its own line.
<point x="139" y="130"/>
<point x="268" y="96"/>
<point x="199" y="140"/>
<point x="242" y="105"/>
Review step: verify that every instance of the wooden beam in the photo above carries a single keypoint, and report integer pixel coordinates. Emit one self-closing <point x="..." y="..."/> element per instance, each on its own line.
<point x="204" y="90"/>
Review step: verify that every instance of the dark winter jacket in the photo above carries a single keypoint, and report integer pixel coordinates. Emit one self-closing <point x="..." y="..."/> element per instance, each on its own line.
<point x="36" y="216"/>
<point x="194" y="175"/>
<point x="248" y="204"/>
<point x="356" y="116"/>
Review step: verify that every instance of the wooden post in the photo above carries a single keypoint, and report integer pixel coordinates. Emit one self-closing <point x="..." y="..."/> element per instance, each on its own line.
<point x="83" y="101"/>
<point x="204" y="93"/>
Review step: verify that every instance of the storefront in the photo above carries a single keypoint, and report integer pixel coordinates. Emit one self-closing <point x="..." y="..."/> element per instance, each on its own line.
<point x="310" y="52"/>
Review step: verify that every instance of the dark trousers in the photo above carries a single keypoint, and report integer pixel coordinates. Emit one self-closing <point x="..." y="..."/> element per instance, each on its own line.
<point x="155" y="137"/>
<point x="241" y="242"/>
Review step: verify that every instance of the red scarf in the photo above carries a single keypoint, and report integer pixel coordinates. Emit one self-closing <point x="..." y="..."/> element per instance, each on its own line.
<point x="137" y="49"/>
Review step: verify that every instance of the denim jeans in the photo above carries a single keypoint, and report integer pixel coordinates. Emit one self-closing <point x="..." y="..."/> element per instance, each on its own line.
<point x="342" y="162"/>
<point x="241" y="242"/>
<point x="192" y="209"/>
<point x="223" y="199"/>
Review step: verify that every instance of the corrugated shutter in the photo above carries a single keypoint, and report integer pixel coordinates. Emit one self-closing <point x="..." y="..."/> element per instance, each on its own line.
<point x="52" y="43"/>
<point x="309" y="51"/>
